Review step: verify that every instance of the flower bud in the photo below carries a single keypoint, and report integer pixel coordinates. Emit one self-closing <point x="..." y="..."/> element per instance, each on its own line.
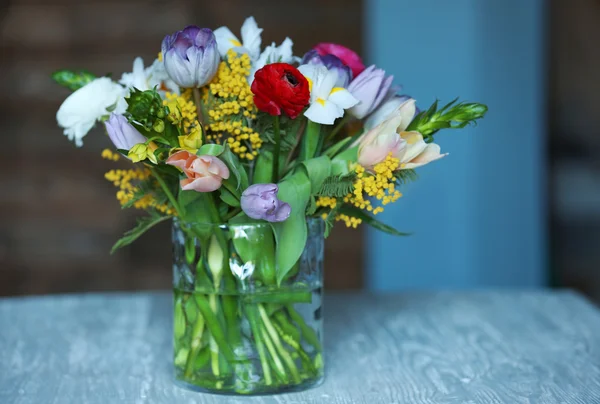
<point x="370" y="88"/>
<point x="191" y="57"/>
<point x="259" y="201"/>
<point x="123" y="135"/>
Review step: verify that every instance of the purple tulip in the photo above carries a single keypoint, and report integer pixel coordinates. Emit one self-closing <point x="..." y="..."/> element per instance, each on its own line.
<point x="259" y="201"/>
<point x="191" y="56"/>
<point x="331" y="62"/>
<point x="123" y="135"/>
<point x="371" y="88"/>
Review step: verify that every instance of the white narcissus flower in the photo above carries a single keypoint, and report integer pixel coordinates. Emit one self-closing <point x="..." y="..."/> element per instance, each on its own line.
<point x="80" y="111"/>
<point x="273" y="54"/>
<point x="327" y="102"/>
<point x="251" y="39"/>
<point x="147" y="78"/>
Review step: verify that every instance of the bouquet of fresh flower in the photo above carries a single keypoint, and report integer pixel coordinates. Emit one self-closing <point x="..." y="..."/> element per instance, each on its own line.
<point x="255" y="155"/>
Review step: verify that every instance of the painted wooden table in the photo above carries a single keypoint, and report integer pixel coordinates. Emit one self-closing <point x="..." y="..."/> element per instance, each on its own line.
<point x="480" y="347"/>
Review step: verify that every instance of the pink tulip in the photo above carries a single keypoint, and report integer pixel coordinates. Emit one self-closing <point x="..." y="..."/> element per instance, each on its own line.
<point x="347" y="56"/>
<point x="383" y="139"/>
<point x="204" y="173"/>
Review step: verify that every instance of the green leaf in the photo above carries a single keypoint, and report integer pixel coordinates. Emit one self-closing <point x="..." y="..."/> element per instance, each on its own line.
<point x="330" y="219"/>
<point x="338" y="186"/>
<point x="291" y="234"/>
<point x="312" y="206"/>
<point x="72" y="80"/>
<point x="405" y="176"/>
<point x="310" y="142"/>
<point x="233" y="163"/>
<point x="228" y="198"/>
<point x="210" y="149"/>
<point x="317" y="169"/>
<point x="263" y="169"/>
<point x="340" y="163"/>
<point x="255" y="243"/>
<point x="194" y="206"/>
<point x="370" y="220"/>
<point x="143" y="225"/>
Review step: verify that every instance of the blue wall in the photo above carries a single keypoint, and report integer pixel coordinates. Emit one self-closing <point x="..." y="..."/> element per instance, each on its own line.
<point x="478" y="215"/>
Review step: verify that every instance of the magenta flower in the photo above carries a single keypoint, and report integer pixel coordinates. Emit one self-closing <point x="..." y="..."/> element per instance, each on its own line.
<point x="123" y="135"/>
<point x="191" y="56"/>
<point x="259" y="201"/>
<point x="371" y="88"/>
<point x="347" y="56"/>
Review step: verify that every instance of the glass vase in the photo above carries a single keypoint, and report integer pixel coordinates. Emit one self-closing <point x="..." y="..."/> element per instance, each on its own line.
<point x="238" y="328"/>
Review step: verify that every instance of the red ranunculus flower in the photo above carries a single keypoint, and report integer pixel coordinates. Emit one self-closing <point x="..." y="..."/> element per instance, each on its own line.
<point x="280" y="86"/>
<point x="347" y="56"/>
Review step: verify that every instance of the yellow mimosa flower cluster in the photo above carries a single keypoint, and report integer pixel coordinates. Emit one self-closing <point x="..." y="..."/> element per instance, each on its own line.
<point x="349" y="221"/>
<point x="182" y="110"/>
<point x="110" y="155"/>
<point x="381" y="186"/>
<point x="123" y="179"/>
<point x="231" y="106"/>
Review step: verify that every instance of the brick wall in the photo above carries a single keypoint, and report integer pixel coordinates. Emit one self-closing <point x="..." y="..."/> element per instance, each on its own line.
<point x="58" y="216"/>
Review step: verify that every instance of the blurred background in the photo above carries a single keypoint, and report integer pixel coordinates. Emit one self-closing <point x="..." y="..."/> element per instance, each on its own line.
<point x="515" y="204"/>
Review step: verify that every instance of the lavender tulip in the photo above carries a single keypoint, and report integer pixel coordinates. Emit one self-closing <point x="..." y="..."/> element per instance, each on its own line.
<point x="123" y="135"/>
<point x="331" y="62"/>
<point x="259" y="201"/>
<point x="191" y="56"/>
<point x="371" y="88"/>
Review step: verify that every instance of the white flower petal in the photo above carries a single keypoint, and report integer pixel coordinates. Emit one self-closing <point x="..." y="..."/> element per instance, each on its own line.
<point x="84" y="107"/>
<point x="415" y="145"/>
<point x="342" y="97"/>
<point x="137" y="78"/>
<point x="251" y="37"/>
<point x="225" y="40"/>
<point x="383" y="112"/>
<point x="431" y="153"/>
<point x="157" y="76"/>
<point x="407" y="111"/>
<point x="324" y="112"/>
<point x="273" y="54"/>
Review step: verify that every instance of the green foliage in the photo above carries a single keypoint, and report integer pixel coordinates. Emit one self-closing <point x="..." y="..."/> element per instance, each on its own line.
<point x="338" y="186"/>
<point x="211" y="149"/>
<point x="291" y="234"/>
<point x="228" y="198"/>
<point x="263" y="168"/>
<point x="256" y="244"/>
<point x="317" y="169"/>
<point x="143" y="225"/>
<point x="310" y="141"/>
<point x="405" y="176"/>
<point x="72" y="80"/>
<point x="450" y="116"/>
<point x="146" y="109"/>
<point x="330" y="219"/>
<point x="288" y="129"/>
<point x="353" y="211"/>
<point x="238" y="170"/>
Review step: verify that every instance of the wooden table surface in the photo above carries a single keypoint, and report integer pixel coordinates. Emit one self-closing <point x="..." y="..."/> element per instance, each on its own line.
<point x="463" y="347"/>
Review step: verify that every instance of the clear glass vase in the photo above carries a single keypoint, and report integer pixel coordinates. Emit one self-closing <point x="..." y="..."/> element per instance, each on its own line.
<point x="238" y="329"/>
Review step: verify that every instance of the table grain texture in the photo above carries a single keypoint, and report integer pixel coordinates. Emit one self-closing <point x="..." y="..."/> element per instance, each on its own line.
<point x="450" y="347"/>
